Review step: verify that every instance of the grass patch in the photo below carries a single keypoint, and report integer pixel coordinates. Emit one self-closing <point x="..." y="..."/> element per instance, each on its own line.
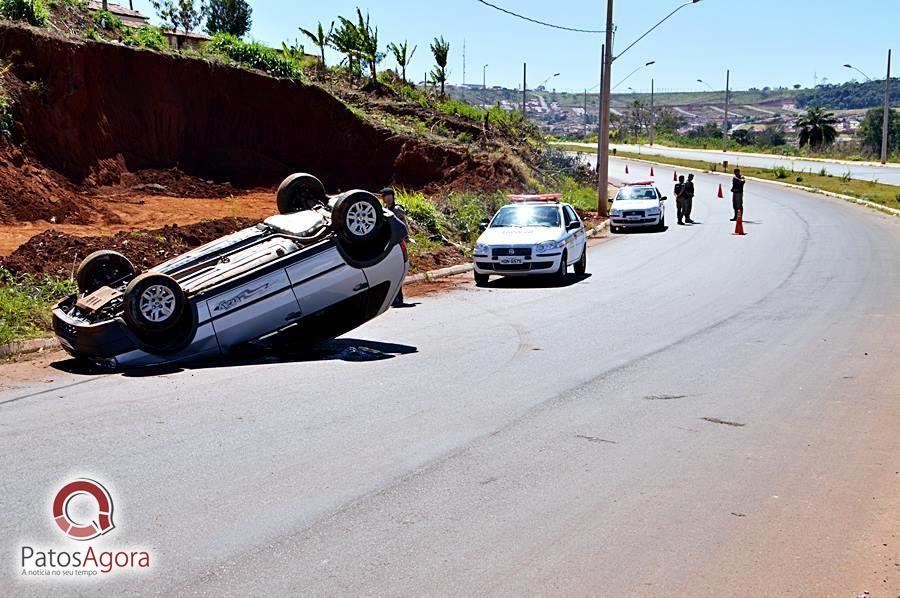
<point x="25" y="302"/>
<point x="253" y="55"/>
<point x="886" y="195"/>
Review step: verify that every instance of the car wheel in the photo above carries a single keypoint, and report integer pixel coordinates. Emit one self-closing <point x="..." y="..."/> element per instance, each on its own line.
<point x="300" y="192"/>
<point x="101" y="269"/>
<point x="662" y="223"/>
<point x="560" y="275"/>
<point x="481" y="279"/>
<point x="614" y="230"/>
<point x="581" y="264"/>
<point x="357" y="217"/>
<point x="153" y="302"/>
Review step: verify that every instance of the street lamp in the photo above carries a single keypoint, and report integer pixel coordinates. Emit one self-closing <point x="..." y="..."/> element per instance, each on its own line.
<point x="603" y="138"/>
<point x="725" y="118"/>
<point x="484" y="76"/>
<point x="633" y="72"/>
<point x="850" y="66"/>
<point x="553" y="76"/>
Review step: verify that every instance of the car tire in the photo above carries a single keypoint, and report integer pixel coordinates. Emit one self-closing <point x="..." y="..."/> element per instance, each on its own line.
<point x="615" y="230"/>
<point x="481" y="279"/>
<point x="101" y="269"/>
<point x="662" y="224"/>
<point x="154" y="302"/>
<point x="560" y="275"/>
<point x="300" y="192"/>
<point x="581" y="264"/>
<point x="357" y="217"/>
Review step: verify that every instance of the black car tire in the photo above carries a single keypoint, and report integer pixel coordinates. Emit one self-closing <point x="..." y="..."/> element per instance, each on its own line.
<point x="560" y="275"/>
<point x="101" y="269"/>
<point x="300" y="192"/>
<point x="481" y="279"/>
<point x="614" y="230"/>
<point x="154" y="302"/>
<point x="357" y="217"/>
<point x="662" y="224"/>
<point x="581" y="264"/>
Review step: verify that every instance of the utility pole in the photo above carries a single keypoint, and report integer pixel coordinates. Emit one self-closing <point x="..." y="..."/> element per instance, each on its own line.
<point x="603" y="139"/>
<point x="600" y="113"/>
<point x="464" y="63"/>
<point x="524" y="84"/>
<point x="652" y="113"/>
<point x="725" y="125"/>
<point x="484" y="76"/>
<point x="887" y="113"/>
<point x="586" y="120"/>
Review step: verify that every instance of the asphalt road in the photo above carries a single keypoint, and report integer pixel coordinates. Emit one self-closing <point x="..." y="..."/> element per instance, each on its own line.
<point x="865" y="171"/>
<point x="704" y="415"/>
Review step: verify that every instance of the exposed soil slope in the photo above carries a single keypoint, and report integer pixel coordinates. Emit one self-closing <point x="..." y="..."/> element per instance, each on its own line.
<point x="93" y="111"/>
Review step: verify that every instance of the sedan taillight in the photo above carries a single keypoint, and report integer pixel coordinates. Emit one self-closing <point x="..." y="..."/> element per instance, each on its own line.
<point x="403" y="249"/>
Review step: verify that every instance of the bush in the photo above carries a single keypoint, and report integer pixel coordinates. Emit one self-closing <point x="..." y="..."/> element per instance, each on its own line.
<point x="146" y="37"/>
<point x="103" y="19"/>
<point x="781" y="172"/>
<point x="7" y="118"/>
<point x="31" y="11"/>
<point x="253" y="55"/>
<point x="25" y="302"/>
<point x="420" y="211"/>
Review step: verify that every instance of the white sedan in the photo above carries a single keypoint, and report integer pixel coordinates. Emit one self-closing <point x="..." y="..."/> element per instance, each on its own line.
<point x="535" y="234"/>
<point x="638" y="205"/>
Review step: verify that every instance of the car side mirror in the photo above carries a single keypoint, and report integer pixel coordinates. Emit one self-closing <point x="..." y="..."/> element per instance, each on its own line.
<point x="482" y="226"/>
<point x="573" y="225"/>
<point x="663" y="198"/>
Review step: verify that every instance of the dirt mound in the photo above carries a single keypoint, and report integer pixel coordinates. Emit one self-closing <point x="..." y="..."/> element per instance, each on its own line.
<point x="435" y="259"/>
<point x="57" y="253"/>
<point x="93" y="111"/>
<point x="172" y="182"/>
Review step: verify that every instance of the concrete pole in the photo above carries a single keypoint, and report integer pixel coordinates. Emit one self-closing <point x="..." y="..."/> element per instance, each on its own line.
<point x="652" y="112"/>
<point x="725" y="124"/>
<point x="887" y="112"/>
<point x="524" y="84"/>
<point x="600" y="112"/>
<point x="603" y="159"/>
<point x="585" y="116"/>
<point x="484" y="76"/>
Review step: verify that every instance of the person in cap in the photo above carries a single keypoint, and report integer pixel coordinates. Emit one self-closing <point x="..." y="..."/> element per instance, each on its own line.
<point x="737" y="193"/>
<point x="390" y="202"/>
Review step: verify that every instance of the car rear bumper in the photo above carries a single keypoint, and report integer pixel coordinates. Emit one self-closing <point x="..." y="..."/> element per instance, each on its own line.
<point x="628" y="223"/>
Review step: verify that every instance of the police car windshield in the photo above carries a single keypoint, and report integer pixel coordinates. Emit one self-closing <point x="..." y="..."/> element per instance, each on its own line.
<point x="629" y="193"/>
<point x="527" y="216"/>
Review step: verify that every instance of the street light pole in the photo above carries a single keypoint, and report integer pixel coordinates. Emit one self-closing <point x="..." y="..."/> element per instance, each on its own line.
<point x="524" y="81"/>
<point x="600" y="112"/>
<point x="603" y="139"/>
<point x="652" y="113"/>
<point x="887" y="112"/>
<point x="484" y="76"/>
<point x="725" y="127"/>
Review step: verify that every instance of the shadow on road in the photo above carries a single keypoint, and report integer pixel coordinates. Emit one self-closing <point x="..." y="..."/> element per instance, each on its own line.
<point x="644" y="230"/>
<point x="259" y="353"/>
<point x="534" y="282"/>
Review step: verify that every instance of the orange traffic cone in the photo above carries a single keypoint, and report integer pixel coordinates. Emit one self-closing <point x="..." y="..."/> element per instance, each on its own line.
<point x="626" y="169"/>
<point x="721" y="195"/>
<point x="739" y="224"/>
<point x="675" y="176"/>
<point x="651" y="171"/>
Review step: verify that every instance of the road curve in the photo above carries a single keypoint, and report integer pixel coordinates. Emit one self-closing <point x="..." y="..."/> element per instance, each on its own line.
<point x="703" y="415"/>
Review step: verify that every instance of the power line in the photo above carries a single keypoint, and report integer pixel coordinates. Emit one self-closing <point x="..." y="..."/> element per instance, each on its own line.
<point x="529" y="19"/>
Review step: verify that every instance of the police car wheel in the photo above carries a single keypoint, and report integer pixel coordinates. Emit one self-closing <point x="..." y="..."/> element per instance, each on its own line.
<point x="581" y="264"/>
<point x="481" y="279"/>
<point x="560" y="275"/>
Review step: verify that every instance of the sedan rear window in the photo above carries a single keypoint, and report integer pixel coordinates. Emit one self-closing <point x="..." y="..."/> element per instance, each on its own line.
<point x="527" y="216"/>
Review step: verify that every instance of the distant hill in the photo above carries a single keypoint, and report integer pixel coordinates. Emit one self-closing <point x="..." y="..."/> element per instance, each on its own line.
<point x="849" y="96"/>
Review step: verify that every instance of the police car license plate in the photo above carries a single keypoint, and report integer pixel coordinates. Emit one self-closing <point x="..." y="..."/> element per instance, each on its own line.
<point x="512" y="260"/>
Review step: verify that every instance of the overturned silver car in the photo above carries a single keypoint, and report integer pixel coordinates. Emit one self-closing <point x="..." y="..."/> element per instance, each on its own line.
<point x="321" y="267"/>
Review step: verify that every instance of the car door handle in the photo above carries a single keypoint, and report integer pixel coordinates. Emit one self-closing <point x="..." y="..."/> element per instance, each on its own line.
<point x="360" y="286"/>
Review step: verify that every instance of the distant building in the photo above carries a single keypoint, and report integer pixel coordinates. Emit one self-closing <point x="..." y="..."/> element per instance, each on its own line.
<point x="129" y="17"/>
<point x="132" y="18"/>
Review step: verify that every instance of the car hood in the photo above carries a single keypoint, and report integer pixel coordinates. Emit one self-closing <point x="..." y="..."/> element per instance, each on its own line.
<point x="635" y="204"/>
<point x="520" y="235"/>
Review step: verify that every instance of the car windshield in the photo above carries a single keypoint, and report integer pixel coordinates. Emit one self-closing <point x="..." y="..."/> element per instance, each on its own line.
<point x="629" y="193"/>
<point x="527" y="216"/>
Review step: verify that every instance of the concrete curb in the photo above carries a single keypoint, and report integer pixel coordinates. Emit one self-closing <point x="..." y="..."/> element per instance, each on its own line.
<point x="463" y="268"/>
<point x="851" y="199"/>
<point x="29" y="346"/>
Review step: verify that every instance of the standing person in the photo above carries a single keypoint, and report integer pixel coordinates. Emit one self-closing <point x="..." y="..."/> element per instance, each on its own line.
<point x="737" y="193"/>
<point x="390" y="202"/>
<point x="679" y="198"/>
<point x="688" y="198"/>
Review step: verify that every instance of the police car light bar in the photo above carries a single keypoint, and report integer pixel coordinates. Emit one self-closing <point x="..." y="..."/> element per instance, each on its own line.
<point x="547" y="197"/>
<point x="639" y="184"/>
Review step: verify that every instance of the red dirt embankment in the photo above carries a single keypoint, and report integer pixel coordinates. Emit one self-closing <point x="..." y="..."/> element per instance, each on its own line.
<point x="93" y="111"/>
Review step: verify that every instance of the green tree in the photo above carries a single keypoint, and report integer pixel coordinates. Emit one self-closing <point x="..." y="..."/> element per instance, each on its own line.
<point x="229" y="16"/>
<point x="180" y="15"/>
<point x="367" y="44"/>
<point x="320" y="39"/>
<point x="668" y="121"/>
<point x="872" y="128"/>
<point x="345" y="39"/>
<point x="817" y="128"/>
<point x="440" y="48"/>
<point x="403" y="55"/>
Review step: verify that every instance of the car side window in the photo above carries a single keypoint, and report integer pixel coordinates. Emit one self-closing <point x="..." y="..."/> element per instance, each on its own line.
<point x="571" y="216"/>
<point x="567" y="217"/>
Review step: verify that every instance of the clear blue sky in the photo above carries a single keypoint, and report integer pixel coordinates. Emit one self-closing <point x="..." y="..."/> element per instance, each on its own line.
<point x="776" y="42"/>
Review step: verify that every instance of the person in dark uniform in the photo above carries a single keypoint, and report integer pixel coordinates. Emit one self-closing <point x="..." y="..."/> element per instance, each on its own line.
<point x="679" y="199"/>
<point x="737" y="193"/>
<point x="688" y="198"/>
<point x="390" y="202"/>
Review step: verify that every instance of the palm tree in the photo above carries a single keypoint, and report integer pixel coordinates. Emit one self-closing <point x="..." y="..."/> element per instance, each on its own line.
<point x="403" y="55"/>
<point x="367" y="37"/>
<point x="817" y="128"/>
<point x="345" y="39"/>
<point x="320" y="39"/>
<point x="440" y="48"/>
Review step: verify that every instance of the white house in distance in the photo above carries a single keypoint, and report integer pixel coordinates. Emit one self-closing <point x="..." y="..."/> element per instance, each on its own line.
<point x="132" y="18"/>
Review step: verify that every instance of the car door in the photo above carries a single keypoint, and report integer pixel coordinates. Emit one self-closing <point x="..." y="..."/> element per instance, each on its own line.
<point x="577" y="236"/>
<point x="324" y="279"/>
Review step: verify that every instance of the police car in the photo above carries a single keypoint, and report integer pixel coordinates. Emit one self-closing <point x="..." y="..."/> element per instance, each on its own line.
<point x="638" y="205"/>
<point x="533" y="234"/>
